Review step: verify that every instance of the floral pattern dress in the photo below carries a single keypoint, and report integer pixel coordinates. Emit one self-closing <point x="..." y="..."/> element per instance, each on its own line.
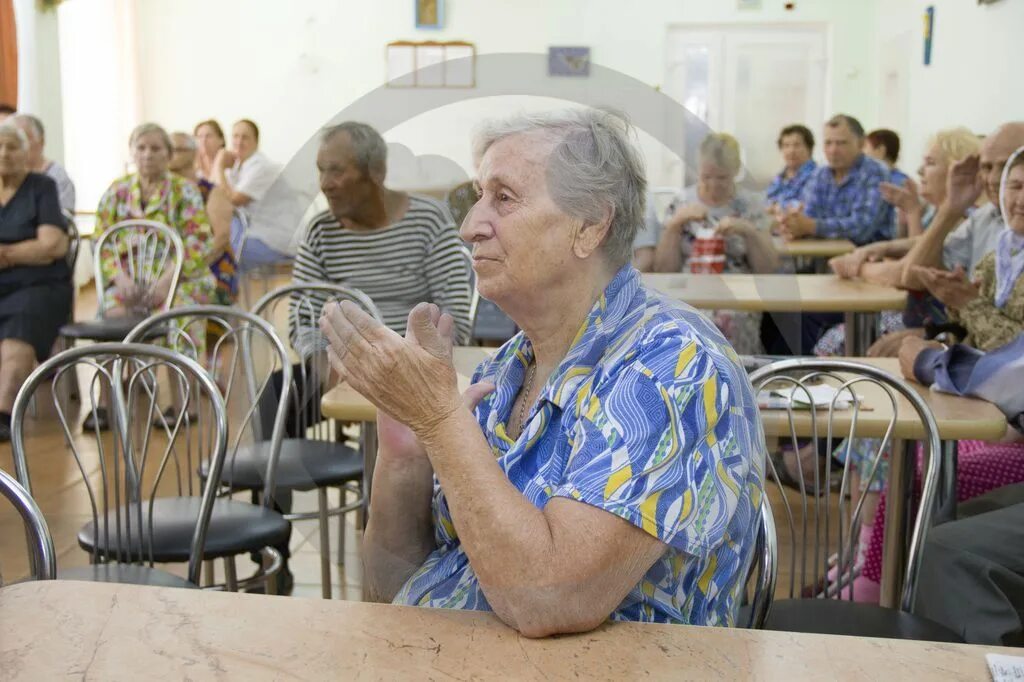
<point x="177" y="204"/>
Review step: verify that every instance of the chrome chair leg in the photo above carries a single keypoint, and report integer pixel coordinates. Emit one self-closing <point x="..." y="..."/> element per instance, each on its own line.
<point x="343" y="500"/>
<point x="230" y="576"/>
<point x="325" y="544"/>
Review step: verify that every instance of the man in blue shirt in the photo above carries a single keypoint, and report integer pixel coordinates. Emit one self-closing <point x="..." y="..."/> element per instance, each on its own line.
<point x="842" y="200"/>
<point x="796" y="143"/>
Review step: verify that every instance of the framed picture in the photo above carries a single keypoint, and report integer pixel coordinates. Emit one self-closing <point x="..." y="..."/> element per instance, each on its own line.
<point x="429" y="13"/>
<point x="431" y="64"/>
<point x="569" y="61"/>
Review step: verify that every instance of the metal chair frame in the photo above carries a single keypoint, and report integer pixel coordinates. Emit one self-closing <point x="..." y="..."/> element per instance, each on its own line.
<point x="814" y="370"/>
<point x="129" y="370"/>
<point x="308" y="387"/>
<point x="264" y="272"/>
<point x="141" y="242"/>
<point x="764" y="569"/>
<point x="239" y="336"/>
<point x="42" y="558"/>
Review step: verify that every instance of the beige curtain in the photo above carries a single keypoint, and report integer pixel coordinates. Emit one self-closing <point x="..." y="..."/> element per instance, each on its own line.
<point x="8" y="55"/>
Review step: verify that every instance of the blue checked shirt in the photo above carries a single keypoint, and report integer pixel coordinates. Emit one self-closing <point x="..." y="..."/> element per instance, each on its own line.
<point x="649" y="417"/>
<point x="854" y="208"/>
<point x="783" y="190"/>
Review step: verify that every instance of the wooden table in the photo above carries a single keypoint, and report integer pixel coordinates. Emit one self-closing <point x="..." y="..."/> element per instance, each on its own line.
<point x="55" y="629"/>
<point x="860" y="301"/>
<point x="957" y="419"/>
<point x="814" y="248"/>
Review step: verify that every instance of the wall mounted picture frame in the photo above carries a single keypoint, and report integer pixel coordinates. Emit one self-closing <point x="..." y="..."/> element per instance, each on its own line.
<point x="429" y="14"/>
<point x="569" y="61"/>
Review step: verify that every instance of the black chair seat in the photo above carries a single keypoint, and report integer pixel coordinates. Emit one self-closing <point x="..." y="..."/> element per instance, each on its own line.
<point x="235" y="528"/>
<point x="835" y="617"/>
<point x="114" y="329"/>
<point x="131" y="574"/>
<point x="303" y="465"/>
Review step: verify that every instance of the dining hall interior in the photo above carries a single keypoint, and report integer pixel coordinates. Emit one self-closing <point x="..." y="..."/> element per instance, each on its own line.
<point x="447" y="339"/>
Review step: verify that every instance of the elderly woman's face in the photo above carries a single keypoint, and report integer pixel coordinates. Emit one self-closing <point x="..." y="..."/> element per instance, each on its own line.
<point x="715" y="185"/>
<point x="932" y="174"/>
<point x="150" y="153"/>
<point x="13" y="157"/>
<point x="521" y="241"/>
<point x="1014" y="199"/>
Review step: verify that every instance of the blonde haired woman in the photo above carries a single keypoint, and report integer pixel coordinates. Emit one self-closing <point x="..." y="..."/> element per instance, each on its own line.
<point x="735" y="214"/>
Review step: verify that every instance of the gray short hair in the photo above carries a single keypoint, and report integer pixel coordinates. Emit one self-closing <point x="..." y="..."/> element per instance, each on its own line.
<point x="723" y="150"/>
<point x="8" y="129"/>
<point x="370" y="150"/>
<point x="190" y="141"/>
<point x="594" y="166"/>
<point x="33" y="122"/>
<point x="145" y="129"/>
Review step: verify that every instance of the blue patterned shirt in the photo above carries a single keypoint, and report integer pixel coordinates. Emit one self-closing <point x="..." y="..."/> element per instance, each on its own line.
<point x="649" y="417"/>
<point x="783" y="190"/>
<point x="852" y="209"/>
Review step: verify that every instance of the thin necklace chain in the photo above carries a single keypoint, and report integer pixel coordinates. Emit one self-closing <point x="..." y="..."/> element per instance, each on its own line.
<point x="532" y="371"/>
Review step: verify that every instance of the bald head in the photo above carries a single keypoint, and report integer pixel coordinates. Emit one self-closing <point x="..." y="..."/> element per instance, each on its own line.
<point x="996" y="151"/>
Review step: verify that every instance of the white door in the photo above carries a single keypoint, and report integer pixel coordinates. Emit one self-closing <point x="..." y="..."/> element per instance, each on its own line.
<point x="749" y="81"/>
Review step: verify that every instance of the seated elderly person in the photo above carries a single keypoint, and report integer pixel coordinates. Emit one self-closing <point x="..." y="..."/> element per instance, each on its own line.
<point x="399" y="249"/>
<point x="35" y="281"/>
<point x="607" y="462"/>
<point x="714" y="205"/>
<point x="796" y="144"/>
<point x="38" y="163"/>
<point x="153" y="192"/>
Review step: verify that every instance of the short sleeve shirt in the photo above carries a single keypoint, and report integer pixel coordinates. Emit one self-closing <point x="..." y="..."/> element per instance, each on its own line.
<point x="649" y="417"/>
<point x="973" y="239"/>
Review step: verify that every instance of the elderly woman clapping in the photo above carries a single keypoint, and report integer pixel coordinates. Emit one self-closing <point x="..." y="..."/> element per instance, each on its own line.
<point x="35" y="281"/>
<point x="607" y="461"/>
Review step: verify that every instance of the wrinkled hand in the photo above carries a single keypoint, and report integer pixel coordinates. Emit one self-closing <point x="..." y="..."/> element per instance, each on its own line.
<point x="687" y="213"/>
<point x="910" y="348"/>
<point x="964" y="184"/>
<point x="906" y="197"/>
<point x="396" y="440"/>
<point x="130" y="294"/>
<point x="224" y="159"/>
<point x="888" y="346"/>
<point x="155" y="297"/>
<point x="411" y="379"/>
<point x="951" y="288"/>
<point x="848" y="265"/>
<point x="730" y="226"/>
<point x="797" y="225"/>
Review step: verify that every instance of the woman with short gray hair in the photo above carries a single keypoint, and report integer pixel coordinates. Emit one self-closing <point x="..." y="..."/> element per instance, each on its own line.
<point x="716" y="212"/>
<point x="607" y="462"/>
<point x="35" y="281"/>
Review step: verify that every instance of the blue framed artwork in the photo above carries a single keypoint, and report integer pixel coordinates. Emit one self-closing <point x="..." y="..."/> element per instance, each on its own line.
<point x="569" y="61"/>
<point x="429" y="13"/>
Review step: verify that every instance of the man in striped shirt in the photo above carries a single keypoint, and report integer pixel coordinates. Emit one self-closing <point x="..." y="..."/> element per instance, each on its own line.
<point x="398" y="249"/>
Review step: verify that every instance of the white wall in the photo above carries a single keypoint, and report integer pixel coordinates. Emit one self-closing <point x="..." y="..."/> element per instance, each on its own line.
<point x="291" y="66"/>
<point x="975" y="76"/>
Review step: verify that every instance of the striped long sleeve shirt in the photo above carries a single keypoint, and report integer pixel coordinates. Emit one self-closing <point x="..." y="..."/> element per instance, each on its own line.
<point x="852" y="209"/>
<point x="415" y="259"/>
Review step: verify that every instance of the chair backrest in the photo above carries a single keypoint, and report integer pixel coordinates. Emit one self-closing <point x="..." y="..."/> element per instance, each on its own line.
<point x="305" y="303"/>
<point x="763" y="574"/>
<point x="144" y="250"/>
<point x="126" y="472"/>
<point x="820" y="524"/>
<point x="234" y="363"/>
<point x="74" y="241"/>
<point x="42" y="559"/>
<point x="488" y="323"/>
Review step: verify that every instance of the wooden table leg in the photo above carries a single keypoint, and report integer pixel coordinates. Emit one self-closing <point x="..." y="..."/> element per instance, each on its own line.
<point x="894" y="550"/>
